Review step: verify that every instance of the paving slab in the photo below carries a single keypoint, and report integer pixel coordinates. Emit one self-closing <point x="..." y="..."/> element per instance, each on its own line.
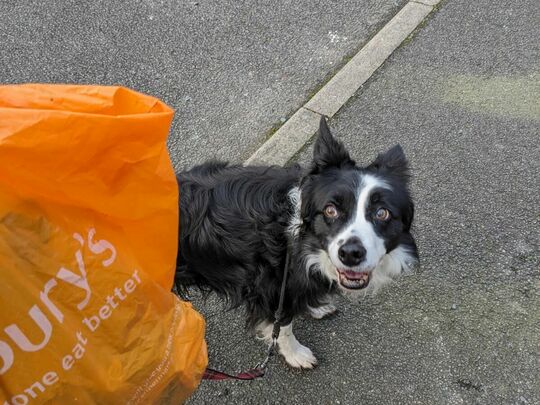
<point x="461" y="96"/>
<point x="232" y="70"/>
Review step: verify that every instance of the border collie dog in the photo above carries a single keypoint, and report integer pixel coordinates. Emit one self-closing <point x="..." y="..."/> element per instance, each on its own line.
<point x="346" y="228"/>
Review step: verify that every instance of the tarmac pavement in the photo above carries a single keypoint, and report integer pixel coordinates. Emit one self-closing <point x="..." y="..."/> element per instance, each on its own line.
<point x="232" y="70"/>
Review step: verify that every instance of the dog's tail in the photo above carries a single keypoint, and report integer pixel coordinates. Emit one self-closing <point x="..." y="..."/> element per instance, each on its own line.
<point x="184" y="279"/>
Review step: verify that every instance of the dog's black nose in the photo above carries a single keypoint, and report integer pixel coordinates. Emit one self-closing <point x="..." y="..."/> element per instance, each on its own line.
<point x="351" y="253"/>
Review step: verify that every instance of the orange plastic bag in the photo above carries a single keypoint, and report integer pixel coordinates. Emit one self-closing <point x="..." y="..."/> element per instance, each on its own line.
<point x="88" y="243"/>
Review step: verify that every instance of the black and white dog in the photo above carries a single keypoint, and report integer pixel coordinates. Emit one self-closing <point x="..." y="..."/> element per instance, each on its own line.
<point x="348" y="228"/>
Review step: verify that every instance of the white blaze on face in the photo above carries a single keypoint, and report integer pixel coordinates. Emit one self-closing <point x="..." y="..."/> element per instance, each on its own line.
<point x="361" y="228"/>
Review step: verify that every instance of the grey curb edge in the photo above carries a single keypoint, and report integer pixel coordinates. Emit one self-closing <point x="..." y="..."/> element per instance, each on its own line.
<point x="303" y="124"/>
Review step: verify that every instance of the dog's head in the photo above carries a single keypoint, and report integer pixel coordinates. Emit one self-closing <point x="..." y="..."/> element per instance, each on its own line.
<point x="355" y="219"/>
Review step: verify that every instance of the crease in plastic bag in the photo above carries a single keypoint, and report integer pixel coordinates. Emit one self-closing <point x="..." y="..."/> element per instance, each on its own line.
<point x="88" y="241"/>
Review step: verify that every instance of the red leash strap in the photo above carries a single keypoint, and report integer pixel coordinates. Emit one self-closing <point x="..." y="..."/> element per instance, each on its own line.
<point x="211" y="374"/>
<point x="257" y="372"/>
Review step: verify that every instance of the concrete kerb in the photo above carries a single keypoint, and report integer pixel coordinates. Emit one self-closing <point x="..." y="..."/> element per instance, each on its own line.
<point x="432" y="3"/>
<point x="303" y="124"/>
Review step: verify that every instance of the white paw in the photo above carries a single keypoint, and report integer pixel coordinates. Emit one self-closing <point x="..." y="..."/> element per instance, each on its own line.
<point x="298" y="356"/>
<point x="322" y="311"/>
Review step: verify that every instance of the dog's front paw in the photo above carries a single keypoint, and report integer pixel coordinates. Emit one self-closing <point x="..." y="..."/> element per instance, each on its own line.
<point x="322" y="311"/>
<point x="298" y="356"/>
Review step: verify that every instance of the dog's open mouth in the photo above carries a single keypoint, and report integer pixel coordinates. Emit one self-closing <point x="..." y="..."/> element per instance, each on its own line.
<point x="353" y="280"/>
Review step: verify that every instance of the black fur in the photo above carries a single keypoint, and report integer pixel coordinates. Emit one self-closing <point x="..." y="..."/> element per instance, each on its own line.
<point x="233" y="238"/>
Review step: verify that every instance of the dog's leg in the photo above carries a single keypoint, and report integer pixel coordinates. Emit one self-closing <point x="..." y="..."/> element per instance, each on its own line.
<point x="295" y="354"/>
<point x="322" y="311"/>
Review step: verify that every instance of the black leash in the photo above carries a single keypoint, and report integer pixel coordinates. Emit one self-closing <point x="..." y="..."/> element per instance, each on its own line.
<point x="260" y="369"/>
<point x="277" y="317"/>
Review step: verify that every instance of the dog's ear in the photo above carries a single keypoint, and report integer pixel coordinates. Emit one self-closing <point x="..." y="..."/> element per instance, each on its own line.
<point x="407" y="217"/>
<point x="393" y="161"/>
<point x="328" y="151"/>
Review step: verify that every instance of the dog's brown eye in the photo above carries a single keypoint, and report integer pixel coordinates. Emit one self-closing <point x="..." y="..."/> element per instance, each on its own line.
<point x="330" y="211"/>
<point x="382" y="214"/>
